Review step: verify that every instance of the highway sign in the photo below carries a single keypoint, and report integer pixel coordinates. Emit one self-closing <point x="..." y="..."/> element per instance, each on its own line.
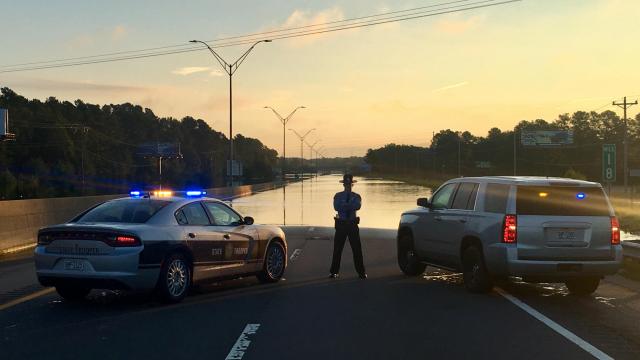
<point x="609" y="162"/>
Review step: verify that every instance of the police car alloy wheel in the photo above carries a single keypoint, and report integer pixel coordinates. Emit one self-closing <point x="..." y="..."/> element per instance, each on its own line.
<point x="175" y="279"/>
<point x="274" y="263"/>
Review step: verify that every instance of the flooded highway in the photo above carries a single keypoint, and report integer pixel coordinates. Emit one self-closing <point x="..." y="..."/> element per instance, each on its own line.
<point x="311" y="202"/>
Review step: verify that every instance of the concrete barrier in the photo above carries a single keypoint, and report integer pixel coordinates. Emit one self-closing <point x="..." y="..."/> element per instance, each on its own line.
<point x="21" y="219"/>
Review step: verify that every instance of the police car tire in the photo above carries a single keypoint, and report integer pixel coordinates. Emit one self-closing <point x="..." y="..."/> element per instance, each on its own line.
<point x="72" y="293"/>
<point x="474" y="271"/>
<point x="583" y="286"/>
<point x="162" y="287"/>
<point x="408" y="260"/>
<point x="265" y="276"/>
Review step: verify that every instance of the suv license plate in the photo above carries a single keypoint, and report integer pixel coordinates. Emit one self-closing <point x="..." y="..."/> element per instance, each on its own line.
<point x="74" y="265"/>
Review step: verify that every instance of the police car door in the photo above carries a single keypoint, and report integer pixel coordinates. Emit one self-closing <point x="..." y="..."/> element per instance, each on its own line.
<point x="207" y="246"/>
<point x="240" y="240"/>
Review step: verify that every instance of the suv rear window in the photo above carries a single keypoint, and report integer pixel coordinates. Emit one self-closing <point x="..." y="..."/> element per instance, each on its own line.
<point x="134" y="211"/>
<point x="561" y="200"/>
<point x="495" y="198"/>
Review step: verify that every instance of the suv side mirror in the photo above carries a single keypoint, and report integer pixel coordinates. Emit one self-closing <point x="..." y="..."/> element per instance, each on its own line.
<point x="248" y="220"/>
<point x="424" y="202"/>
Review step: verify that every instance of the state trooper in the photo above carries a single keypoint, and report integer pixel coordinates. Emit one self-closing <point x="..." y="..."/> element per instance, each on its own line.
<point x="347" y="203"/>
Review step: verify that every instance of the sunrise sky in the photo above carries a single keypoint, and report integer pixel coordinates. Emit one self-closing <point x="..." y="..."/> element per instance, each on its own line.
<point x="363" y="88"/>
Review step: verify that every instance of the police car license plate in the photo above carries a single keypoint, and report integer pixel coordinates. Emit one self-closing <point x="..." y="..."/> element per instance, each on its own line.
<point x="74" y="265"/>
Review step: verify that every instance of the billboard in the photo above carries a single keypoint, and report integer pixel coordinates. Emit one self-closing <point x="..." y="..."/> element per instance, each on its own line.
<point x="546" y="137"/>
<point x="164" y="150"/>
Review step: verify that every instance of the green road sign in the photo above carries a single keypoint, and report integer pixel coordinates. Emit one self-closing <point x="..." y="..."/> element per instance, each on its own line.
<point x="609" y="162"/>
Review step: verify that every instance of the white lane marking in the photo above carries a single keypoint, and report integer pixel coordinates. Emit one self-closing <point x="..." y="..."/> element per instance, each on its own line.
<point x="598" y="354"/>
<point x="295" y="255"/>
<point x="242" y="344"/>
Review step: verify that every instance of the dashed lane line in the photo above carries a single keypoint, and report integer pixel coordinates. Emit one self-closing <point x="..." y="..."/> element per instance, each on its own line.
<point x="295" y="255"/>
<point x="595" y="352"/>
<point x="26" y="298"/>
<point x="242" y="344"/>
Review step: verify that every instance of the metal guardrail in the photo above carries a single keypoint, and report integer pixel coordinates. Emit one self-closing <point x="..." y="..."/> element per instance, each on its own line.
<point x="631" y="249"/>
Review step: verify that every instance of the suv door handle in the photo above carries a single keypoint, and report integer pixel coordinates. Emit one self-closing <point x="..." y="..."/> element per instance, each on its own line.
<point x="462" y="220"/>
<point x="192" y="235"/>
<point x="437" y="218"/>
<point x="226" y="236"/>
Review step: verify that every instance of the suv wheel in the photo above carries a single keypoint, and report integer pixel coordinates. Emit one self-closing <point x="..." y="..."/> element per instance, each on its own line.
<point x="583" y="286"/>
<point x="474" y="272"/>
<point x="175" y="279"/>
<point x="72" y="293"/>
<point x="407" y="258"/>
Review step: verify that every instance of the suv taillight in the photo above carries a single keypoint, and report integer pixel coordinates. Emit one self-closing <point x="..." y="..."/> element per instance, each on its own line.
<point x="615" y="231"/>
<point x="510" y="229"/>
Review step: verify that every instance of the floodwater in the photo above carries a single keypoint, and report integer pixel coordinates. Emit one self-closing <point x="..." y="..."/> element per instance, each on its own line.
<point x="311" y="203"/>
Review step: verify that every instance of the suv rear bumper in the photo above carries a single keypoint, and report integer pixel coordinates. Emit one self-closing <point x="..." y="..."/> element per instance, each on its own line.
<point x="502" y="260"/>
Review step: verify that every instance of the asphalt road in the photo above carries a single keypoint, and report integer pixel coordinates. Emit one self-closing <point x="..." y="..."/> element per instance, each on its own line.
<point x="308" y="316"/>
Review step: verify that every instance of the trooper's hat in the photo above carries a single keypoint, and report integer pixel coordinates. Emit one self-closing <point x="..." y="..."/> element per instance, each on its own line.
<point x="348" y="179"/>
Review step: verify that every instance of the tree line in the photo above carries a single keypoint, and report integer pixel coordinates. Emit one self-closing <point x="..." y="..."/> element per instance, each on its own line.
<point x="59" y="143"/>
<point x="493" y="154"/>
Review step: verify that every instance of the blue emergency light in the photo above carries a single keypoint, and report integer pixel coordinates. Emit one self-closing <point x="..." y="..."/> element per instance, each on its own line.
<point x="135" y="193"/>
<point x="196" y="193"/>
<point x="581" y="196"/>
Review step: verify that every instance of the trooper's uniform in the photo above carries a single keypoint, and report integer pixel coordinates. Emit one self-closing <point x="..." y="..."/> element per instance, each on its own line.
<point x="346" y="203"/>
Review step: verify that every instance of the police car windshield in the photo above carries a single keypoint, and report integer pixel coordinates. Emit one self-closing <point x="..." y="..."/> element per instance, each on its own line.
<point x="133" y="211"/>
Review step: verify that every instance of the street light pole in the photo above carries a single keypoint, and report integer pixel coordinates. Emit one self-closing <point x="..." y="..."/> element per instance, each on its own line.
<point x="284" y="122"/>
<point x="230" y="69"/>
<point x="311" y="146"/>
<point x="302" y="137"/>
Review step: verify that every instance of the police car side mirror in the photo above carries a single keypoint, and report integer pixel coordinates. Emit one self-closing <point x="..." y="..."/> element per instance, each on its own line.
<point x="424" y="202"/>
<point x="248" y="220"/>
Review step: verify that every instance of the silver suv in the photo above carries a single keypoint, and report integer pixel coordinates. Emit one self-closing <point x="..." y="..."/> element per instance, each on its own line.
<point x="537" y="228"/>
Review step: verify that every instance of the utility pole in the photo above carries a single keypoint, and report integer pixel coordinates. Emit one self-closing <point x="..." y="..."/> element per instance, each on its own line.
<point x="459" y="147"/>
<point x="230" y="69"/>
<point x="284" y="121"/>
<point x="624" y="105"/>
<point x="515" y="161"/>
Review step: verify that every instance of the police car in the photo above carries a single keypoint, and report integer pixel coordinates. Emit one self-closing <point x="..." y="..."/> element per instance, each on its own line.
<point x="162" y="241"/>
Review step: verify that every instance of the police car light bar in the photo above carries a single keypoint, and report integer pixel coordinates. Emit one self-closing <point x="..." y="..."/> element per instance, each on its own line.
<point x="135" y="193"/>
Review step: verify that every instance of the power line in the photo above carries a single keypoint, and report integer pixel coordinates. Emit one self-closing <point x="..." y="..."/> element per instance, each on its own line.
<point x="245" y="39"/>
<point x="236" y="36"/>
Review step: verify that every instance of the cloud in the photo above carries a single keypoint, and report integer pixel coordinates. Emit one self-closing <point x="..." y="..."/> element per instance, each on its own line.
<point x="457" y="24"/>
<point x="216" y="73"/>
<point x="118" y="32"/>
<point x="80" y="86"/>
<point x="299" y="18"/>
<point x="80" y="41"/>
<point x="184" y="71"/>
<point x="449" y="87"/>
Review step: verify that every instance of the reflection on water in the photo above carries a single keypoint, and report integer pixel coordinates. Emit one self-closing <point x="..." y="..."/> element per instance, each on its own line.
<point x="311" y="202"/>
